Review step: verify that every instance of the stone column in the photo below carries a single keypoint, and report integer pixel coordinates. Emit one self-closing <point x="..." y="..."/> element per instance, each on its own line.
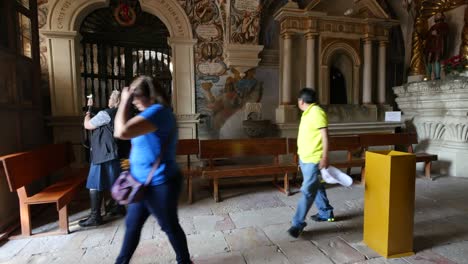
<point x="286" y="111"/>
<point x="367" y="73"/>
<point x="286" y="69"/>
<point x="310" y="60"/>
<point x="382" y="71"/>
<point x="183" y="86"/>
<point x="66" y="96"/>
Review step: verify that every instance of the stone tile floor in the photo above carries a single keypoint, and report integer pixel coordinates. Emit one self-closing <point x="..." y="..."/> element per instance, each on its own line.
<point x="249" y="226"/>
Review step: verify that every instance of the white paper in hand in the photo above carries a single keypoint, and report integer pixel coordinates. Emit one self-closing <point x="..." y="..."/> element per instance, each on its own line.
<point x="333" y="175"/>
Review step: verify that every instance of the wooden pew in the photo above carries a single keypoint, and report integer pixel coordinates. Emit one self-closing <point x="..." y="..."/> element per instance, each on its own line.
<point x="399" y="139"/>
<point x="188" y="147"/>
<point x="22" y="169"/>
<point x="213" y="150"/>
<point x="348" y="143"/>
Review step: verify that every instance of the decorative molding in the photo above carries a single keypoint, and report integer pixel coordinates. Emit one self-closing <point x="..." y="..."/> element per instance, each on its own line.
<point x="61" y="34"/>
<point x="430" y="130"/>
<point x="181" y="41"/>
<point x="190" y="118"/>
<point x="457" y="132"/>
<point x="331" y="45"/>
<point x="242" y="57"/>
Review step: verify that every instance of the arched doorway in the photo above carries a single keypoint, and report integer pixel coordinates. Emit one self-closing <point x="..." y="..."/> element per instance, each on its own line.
<point x="342" y="57"/>
<point x="112" y="55"/>
<point x="63" y="39"/>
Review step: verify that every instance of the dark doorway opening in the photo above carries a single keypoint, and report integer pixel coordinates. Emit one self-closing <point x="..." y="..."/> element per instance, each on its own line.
<point x="337" y="87"/>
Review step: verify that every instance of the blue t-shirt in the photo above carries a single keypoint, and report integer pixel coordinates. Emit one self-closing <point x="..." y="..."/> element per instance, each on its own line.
<point x="146" y="148"/>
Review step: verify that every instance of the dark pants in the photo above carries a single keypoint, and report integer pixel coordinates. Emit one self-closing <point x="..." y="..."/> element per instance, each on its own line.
<point x="161" y="202"/>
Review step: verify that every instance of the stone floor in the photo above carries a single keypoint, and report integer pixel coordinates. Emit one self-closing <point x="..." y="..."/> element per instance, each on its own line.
<point x="249" y="226"/>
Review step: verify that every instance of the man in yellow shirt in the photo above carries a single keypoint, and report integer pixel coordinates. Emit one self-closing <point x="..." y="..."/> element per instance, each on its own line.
<point x="312" y="148"/>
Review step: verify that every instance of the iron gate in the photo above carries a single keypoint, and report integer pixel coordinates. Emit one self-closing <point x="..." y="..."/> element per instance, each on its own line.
<point x="112" y="56"/>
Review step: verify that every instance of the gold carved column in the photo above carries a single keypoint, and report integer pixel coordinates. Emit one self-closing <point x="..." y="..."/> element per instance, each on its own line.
<point x="420" y="28"/>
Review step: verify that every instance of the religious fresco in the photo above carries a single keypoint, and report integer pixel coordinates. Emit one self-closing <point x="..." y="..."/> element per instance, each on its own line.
<point x="221" y="97"/>
<point x="245" y="21"/>
<point x="220" y="91"/>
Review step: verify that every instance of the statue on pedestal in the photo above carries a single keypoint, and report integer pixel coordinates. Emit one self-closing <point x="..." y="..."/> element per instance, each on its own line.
<point x="436" y="45"/>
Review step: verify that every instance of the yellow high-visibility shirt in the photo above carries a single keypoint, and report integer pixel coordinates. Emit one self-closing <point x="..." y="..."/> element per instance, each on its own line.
<point x="309" y="138"/>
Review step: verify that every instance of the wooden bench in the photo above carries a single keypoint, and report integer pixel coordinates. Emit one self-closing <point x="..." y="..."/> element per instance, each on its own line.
<point x="348" y="143"/>
<point x="188" y="147"/>
<point x="228" y="149"/>
<point x="399" y="139"/>
<point x="22" y="169"/>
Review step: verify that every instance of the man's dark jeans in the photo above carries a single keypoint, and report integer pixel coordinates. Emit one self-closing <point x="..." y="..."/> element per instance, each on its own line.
<point x="161" y="202"/>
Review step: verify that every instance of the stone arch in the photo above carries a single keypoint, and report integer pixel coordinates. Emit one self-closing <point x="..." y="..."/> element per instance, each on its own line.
<point x="67" y="15"/>
<point x="63" y="48"/>
<point x="327" y="55"/>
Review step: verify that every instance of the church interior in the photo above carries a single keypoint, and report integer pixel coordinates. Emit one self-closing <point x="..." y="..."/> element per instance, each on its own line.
<point x="234" y="70"/>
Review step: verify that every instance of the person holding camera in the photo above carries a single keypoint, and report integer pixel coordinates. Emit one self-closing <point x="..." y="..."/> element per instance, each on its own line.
<point x="105" y="163"/>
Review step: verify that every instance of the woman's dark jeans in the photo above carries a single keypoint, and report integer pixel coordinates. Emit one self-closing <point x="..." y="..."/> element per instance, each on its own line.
<point x="161" y="202"/>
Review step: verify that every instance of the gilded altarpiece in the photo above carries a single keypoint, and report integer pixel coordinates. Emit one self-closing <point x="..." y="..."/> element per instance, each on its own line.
<point x="336" y="37"/>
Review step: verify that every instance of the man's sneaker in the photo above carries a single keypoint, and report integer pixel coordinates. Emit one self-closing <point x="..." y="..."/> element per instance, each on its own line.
<point x="294" y="231"/>
<point x="317" y="218"/>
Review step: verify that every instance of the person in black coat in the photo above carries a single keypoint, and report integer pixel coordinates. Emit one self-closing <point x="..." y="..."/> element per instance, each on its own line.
<point x="105" y="163"/>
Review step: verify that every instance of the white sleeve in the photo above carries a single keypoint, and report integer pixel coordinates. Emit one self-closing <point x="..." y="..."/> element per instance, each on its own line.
<point x="102" y="118"/>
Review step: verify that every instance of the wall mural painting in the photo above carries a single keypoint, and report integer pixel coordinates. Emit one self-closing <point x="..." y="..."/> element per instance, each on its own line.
<point x="245" y="21"/>
<point x="221" y="92"/>
<point x="221" y="97"/>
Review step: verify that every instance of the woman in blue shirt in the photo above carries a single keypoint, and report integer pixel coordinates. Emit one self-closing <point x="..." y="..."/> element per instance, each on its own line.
<point x="153" y="135"/>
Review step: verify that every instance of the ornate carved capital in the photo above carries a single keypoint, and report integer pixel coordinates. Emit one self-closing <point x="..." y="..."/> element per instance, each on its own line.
<point x="383" y="43"/>
<point x="310" y="35"/>
<point x="286" y="35"/>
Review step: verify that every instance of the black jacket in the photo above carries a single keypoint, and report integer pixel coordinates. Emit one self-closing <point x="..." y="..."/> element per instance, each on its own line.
<point x="103" y="145"/>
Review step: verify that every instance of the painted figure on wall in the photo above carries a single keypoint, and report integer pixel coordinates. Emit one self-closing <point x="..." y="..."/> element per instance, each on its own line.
<point x="436" y="45"/>
<point x="236" y="92"/>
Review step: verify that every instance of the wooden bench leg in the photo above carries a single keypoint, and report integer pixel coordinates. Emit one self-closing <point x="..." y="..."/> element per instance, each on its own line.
<point x="286" y="184"/>
<point x="216" y="190"/>
<point x="427" y="169"/>
<point x="348" y="171"/>
<point x="25" y="219"/>
<point x="189" y="189"/>
<point x="63" y="220"/>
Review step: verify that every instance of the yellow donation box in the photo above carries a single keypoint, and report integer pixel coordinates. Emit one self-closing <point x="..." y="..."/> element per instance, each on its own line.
<point x="389" y="202"/>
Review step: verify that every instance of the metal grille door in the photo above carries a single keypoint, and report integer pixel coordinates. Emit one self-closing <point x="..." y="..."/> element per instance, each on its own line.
<point x="112" y="56"/>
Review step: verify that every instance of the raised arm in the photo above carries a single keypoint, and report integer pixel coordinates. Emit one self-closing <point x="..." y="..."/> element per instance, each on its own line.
<point x="126" y="127"/>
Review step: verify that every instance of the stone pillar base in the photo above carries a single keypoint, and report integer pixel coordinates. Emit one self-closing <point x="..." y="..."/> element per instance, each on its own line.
<point x="287" y="114"/>
<point x="188" y="125"/>
<point x="451" y="160"/>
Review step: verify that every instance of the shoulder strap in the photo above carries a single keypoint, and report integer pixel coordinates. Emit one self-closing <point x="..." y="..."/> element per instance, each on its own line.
<point x="158" y="161"/>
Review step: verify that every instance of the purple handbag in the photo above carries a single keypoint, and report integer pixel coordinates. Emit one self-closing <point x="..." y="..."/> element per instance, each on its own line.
<point x="126" y="189"/>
